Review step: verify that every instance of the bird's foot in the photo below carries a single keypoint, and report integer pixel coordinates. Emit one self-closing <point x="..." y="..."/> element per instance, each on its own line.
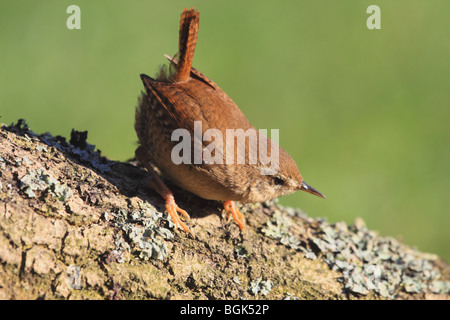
<point x="172" y="209"/>
<point x="233" y="211"/>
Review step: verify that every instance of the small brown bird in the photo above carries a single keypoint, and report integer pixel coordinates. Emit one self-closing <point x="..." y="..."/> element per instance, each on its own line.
<point x="179" y="97"/>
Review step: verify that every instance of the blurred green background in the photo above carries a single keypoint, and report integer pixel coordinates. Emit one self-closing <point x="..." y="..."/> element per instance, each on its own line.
<point x="364" y="113"/>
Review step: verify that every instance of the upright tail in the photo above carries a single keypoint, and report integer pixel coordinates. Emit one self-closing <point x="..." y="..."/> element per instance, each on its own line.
<point x="189" y="22"/>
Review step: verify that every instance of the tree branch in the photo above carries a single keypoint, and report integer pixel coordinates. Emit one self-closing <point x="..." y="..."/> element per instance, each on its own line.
<point x="75" y="225"/>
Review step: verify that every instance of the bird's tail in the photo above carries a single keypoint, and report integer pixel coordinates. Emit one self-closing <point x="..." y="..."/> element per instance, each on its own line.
<point x="189" y="22"/>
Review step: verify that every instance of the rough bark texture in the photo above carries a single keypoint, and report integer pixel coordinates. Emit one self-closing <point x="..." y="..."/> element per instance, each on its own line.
<point x="74" y="225"/>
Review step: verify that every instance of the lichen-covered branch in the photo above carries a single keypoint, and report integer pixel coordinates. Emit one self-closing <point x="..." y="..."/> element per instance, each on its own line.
<point x="75" y="225"/>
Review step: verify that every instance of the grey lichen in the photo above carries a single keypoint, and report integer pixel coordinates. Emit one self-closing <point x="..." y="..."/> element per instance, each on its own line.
<point x="384" y="265"/>
<point x="40" y="180"/>
<point x="124" y="228"/>
<point x="78" y="147"/>
<point x="2" y="164"/>
<point x="236" y="280"/>
<point x="367" y="262"/>
<point x="144" y="231"/>
<point x="122" y="248"/>
<point x="259" y="286"/>
<point x="86" y="152"/>
<point x="290" y="297"/>
<point x="278" y="228"/>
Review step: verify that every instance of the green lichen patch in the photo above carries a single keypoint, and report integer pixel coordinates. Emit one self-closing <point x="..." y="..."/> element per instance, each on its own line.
<point x="367" y="262"/>
<point x="77" y="148"/>
<point x="113" y="232"/>
<point x="144" y="232"/>
<point x="259" y="286"/>
<point x="38" y="180"/>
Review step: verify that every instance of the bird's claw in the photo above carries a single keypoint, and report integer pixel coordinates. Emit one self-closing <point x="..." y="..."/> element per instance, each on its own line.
<point x="233" y="211"/>
<point x="172" y="209"/>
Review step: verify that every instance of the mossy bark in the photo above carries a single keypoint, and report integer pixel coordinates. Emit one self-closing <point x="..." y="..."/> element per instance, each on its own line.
<point x="66" y="232"/>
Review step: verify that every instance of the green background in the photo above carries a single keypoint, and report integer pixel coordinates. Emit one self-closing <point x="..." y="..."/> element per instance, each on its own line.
<point x="363" y="112"/>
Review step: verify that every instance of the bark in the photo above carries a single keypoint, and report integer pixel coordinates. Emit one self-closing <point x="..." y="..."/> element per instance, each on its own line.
<point x="75" y="225"/>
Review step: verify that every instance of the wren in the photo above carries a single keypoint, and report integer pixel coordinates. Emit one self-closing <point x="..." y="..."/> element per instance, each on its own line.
<point x="175" y="99"/>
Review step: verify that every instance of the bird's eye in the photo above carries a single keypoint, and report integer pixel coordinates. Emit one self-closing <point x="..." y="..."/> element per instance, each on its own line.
<point x="278" y="181"/>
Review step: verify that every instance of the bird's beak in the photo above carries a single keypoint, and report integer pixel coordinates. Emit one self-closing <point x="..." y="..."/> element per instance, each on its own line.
<point x="311" y="190"/>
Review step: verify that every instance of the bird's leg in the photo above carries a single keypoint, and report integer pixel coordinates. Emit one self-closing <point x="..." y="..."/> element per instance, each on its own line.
<point x="171" y="207"/>
<point x="233" y="211"/>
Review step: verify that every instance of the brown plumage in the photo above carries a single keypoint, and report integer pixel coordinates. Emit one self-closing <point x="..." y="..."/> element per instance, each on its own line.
<point x="175" y="101"/>
<point x="187" y="41"/>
